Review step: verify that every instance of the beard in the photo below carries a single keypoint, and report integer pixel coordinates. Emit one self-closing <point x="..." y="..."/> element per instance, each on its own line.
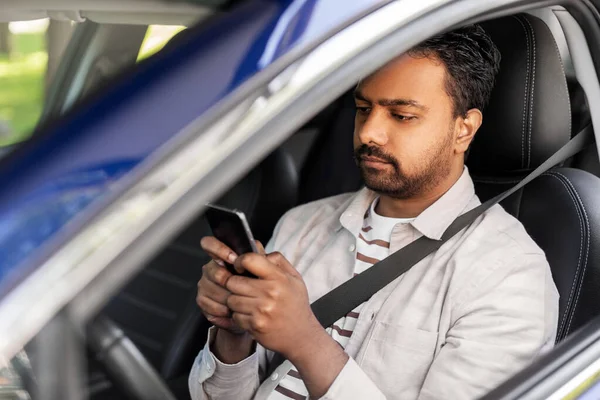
<point x="395" y="183"/>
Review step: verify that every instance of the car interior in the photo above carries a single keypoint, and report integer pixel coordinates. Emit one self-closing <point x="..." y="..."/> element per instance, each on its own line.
<point x="537" y="106"/>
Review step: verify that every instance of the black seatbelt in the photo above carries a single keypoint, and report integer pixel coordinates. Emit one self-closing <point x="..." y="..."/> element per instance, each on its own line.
<point x="349" y="295"/>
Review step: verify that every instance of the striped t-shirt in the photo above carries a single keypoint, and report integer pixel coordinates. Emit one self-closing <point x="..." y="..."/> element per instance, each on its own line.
<point x="372" y="245"/>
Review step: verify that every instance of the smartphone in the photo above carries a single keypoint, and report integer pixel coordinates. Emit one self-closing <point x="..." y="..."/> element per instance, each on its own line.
<point x="231" y="227"/>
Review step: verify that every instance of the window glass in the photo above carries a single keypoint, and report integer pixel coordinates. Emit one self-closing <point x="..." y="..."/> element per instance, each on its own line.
<point x="156" y="37"/>
<point x="26" y="50"/>
<point x="23" y="64"/>
<point x="14" y="376"/>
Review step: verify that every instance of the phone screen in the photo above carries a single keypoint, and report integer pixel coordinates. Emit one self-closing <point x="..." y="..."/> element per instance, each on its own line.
<point x="231" y="228"/>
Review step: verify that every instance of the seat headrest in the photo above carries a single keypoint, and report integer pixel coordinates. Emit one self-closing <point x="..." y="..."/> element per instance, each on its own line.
<point x="528" y="117"/>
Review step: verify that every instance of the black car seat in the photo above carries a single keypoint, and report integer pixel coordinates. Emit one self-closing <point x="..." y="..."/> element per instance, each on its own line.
<point x="527" y="120"/>
<point x="157" y="309"/>
<point x="329" y="168"/>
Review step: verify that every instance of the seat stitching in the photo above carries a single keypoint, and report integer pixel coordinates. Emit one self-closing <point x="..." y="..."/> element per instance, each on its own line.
<point x="561" y="333"/>
<point x="564" y="76"/>
<point x="572" y="291"/>
<point x="587" y="226"/>
<point x="531" y="97"/>
<point x="524" y="123"/>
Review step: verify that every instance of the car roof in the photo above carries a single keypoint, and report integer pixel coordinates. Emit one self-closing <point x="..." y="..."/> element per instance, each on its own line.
<point x="106" y="11"/>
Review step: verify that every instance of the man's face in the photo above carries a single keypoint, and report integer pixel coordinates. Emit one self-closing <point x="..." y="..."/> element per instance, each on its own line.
<point x="404" y="128"/>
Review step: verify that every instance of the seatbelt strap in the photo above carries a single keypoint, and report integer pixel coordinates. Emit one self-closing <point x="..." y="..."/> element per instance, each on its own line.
<point x="349" y="295"/>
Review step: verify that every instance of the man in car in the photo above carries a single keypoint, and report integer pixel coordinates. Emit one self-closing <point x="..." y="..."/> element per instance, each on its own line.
<point x="454" y="326"/>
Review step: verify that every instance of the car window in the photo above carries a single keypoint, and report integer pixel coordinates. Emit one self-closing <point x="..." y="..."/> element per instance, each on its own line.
<point x="23" y="67"/>
<point x="156" y="37"/>
<point x="14" y="375"/>
<point x="30" y="52"/>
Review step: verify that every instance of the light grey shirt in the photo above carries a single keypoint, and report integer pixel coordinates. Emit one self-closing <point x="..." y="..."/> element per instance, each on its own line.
<point x="456" y="325"/>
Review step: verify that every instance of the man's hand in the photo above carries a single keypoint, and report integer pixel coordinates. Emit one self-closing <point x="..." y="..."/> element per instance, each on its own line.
<point x="232" y="344"/>
<point x="212" y="294"/>
<point x="275" y="310"/>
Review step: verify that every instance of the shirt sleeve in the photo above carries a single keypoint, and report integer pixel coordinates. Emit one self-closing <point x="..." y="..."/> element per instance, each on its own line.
<point x="507" y="320"/>
<point x="352" y="383"/>
<point x="212" y="379"/>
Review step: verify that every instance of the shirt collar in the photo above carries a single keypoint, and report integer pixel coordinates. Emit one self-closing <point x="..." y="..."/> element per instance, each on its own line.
<point x="353" y="215"/>
<point x="434" y="221"/>
<point x="431" y="223"/>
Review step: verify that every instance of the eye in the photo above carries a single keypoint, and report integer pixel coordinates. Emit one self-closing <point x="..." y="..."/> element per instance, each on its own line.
<point x="401" y="117"/>
<point x="363" y="110"/>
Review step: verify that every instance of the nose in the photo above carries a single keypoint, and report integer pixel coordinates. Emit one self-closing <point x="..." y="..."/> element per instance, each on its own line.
<point x="372" y="129"/>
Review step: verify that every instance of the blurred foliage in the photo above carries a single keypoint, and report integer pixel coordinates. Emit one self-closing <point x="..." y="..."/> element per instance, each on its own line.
<point x="22" y="79"/>
<point x="156" y="37"/>
<point x="22" y="86"/>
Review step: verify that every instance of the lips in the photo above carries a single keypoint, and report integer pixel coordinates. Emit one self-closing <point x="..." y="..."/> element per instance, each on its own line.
<point x="370" y="159"/>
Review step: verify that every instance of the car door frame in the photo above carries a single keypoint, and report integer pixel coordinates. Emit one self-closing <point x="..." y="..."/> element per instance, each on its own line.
<point x="89" y="41"/>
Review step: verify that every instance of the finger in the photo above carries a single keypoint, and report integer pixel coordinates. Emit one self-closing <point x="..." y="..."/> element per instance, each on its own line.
<point x="279" y="260"/>
<point x="216" y="273"/>
<point x="226" y="323"/>
<point x="238" y="268"/>
<point x="219" y="262"/>
<point x="256" y="264"/>
<point x="244" y="321"/>
<point x="244" y="286"/>
<point x="260" y="247"/>
<point x="211" y="307"/>
<point x="217" y="249"/>
<point x="245" y="305"/>
<point x="214" y="291"/>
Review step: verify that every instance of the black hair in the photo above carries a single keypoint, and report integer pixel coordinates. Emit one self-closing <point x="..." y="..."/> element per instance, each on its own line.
<point x="472" y="62"/>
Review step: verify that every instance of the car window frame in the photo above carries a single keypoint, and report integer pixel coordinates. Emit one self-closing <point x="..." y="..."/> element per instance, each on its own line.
<point x="72" y="79"/>
<point x="67" y="72"/>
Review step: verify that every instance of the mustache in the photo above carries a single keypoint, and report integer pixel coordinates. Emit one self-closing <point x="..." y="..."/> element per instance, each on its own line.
<point x="372" y="151"/>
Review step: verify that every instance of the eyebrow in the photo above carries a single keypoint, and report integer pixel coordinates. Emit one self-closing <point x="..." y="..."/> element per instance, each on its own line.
<point x="358" y="95"/>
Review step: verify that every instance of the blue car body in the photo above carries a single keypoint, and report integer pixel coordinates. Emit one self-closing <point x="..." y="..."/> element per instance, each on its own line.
<point x="71" y="167"/>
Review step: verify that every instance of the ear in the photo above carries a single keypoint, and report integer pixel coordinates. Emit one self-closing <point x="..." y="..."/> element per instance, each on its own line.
<point x="467" y="128"/>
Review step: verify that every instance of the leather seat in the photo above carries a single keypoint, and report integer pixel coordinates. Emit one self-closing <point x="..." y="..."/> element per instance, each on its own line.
<point x="527" y="120"/>
<point x="157" y="309"/>
<point x="330" y="169"/>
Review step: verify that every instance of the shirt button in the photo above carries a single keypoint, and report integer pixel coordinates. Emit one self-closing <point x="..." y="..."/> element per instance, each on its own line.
<point x="208" y="367"/>
<point x="274" y="376"/>
<point x="352" y="248"/>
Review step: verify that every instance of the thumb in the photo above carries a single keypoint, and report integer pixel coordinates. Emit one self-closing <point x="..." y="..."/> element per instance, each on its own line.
<point x="278" y="259"/>
<point x="261" y="248"/>
<point x="221" y="322"/>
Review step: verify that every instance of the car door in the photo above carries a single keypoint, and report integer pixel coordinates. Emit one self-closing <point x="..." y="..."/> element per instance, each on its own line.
<point x="249" y="112"/>
<point x="88" y="167"/>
